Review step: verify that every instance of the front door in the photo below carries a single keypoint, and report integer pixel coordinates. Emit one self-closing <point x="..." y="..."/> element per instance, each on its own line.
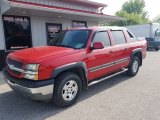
<point x="100" y="61"/>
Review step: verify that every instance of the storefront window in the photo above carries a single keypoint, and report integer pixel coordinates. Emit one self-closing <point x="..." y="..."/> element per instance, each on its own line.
<point x="17" y="32"/>
<point x="79" y="24"/>
<point x="52" y="30"/>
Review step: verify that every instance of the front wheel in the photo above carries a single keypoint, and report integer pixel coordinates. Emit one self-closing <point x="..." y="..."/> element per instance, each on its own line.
<point x="133" y="67"/>
<point x="67" y="89"/>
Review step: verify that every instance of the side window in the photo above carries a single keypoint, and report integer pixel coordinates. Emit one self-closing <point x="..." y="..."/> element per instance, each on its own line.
<point x="118" y="37"/>
<point x="130" y="35"/>
<point x="133" y="38"/>
<point x="102" y="37"/>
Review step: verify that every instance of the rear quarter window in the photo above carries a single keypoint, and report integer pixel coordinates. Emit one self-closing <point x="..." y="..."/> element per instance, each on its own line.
<point x="132" y="37"/>
<point x="118" y="37"/>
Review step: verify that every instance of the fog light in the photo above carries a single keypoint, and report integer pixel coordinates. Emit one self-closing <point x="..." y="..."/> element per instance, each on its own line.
<point x="30" y="76"/>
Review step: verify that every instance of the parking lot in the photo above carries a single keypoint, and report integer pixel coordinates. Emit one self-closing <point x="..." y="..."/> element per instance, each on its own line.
<point x="118" y="98"/>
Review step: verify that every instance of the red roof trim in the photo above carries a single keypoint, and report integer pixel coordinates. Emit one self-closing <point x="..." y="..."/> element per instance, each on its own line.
<point x="53" y="7"/>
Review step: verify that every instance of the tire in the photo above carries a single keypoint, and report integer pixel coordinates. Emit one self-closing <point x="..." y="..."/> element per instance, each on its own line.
<point x="67" y="89"/>
<point x="133" y="67"/>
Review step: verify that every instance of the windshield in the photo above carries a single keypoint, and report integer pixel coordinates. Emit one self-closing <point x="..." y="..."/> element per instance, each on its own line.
<point x="75" y="39"/>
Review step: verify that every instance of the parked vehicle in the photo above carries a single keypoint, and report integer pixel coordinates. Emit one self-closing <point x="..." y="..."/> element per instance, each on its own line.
<point x="75" y="59"/>
<point x="151" y="32"/>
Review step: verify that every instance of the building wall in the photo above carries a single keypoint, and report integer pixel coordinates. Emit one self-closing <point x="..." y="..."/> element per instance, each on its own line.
<point x="62" y="4"/>
<point x="38" y="28"/>
<point x="144" y="30"/>
<point x="140" y="30"/>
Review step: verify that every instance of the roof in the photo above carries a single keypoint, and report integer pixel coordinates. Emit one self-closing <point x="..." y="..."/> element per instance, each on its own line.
<point x="100" y="28"/>
<point x="80" y="2"/>
<point x="87" y="3"/>
<point x="27" y="8"/>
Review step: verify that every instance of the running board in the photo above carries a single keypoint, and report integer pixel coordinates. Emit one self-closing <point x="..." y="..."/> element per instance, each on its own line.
<point x="104" y="78"/>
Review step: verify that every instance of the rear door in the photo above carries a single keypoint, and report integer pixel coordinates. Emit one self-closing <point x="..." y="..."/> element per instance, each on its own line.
<point x="121" y="49"/>
<point x="100" y="61"/>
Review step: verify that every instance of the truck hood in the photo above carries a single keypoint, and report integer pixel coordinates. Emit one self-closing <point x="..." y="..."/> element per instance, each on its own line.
<point x="35" y="54"/>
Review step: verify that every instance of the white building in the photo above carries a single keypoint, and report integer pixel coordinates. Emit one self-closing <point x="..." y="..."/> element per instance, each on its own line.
<point x="29" y="23"/>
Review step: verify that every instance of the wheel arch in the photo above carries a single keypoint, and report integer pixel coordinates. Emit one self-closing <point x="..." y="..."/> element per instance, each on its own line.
<point x="78" y="68"/>
<point x="138" y="53"/>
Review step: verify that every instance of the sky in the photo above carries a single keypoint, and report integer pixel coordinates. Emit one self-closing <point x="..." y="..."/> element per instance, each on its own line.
<point x="152" y="7"/>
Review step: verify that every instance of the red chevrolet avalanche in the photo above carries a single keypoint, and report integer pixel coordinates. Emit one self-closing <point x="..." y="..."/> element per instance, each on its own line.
<point x="73" y="60"/>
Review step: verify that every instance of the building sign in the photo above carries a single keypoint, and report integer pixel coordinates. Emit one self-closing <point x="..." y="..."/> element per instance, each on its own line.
<point x="79" y="24"/>
<point x="17" y="31"/>
<point x="52" y="30"/>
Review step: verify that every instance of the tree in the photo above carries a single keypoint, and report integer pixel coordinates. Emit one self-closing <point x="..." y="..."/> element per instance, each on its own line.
<point x="133" y="12"/>
<point x="134" y="6"/>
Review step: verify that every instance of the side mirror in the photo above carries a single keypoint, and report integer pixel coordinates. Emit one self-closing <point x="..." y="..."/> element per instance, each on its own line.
<point x="97" y="45"/>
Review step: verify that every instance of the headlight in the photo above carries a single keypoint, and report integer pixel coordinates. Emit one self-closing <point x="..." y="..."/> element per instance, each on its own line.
<point x="32" y="67"/>
<point x="31" y="71"/>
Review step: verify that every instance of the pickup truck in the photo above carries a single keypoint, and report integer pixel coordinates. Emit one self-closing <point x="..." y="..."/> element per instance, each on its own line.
<point x="74" y="60"/>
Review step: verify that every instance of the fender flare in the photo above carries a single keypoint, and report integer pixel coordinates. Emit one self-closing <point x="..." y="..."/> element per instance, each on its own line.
<point x="135" y="51"/>
<point x="66" y="67"/>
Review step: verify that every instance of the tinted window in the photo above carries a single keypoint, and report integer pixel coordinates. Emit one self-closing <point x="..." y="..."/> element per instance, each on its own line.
<point x="118" y="37"/>
<point x="133" y="38"/>
<point x="102" y="37"/>
<point x="130" y="35"/>
<point x="17" y="32"/>
<point x="72" y="38"/>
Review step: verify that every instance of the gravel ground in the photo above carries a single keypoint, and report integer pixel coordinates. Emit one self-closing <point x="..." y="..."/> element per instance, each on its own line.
<point x="118" y="98"/>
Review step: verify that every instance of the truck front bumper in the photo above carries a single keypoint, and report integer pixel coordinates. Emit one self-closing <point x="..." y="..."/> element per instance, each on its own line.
<point x="35" y="90"/>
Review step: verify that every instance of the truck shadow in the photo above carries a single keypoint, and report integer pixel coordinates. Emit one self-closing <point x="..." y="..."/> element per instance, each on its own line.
<point x="15" y="106"/>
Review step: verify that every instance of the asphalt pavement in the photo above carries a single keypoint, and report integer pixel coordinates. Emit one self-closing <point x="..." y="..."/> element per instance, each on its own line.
<point x="1" y="79"/>
<point x="118" y="98"/>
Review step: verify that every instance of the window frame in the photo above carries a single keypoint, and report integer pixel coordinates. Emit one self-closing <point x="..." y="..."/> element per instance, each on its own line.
<point x="123" y="35"/>
<point x="133" y="38"/>
<point x="107" y="32"/>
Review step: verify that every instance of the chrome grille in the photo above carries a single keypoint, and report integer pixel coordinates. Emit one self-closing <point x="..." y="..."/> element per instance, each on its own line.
<point x="16" y="64"/>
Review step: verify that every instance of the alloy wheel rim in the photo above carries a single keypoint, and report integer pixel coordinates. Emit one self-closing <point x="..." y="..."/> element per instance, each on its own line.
<point x="135" y="66"/>
<point x="70" y="90"/>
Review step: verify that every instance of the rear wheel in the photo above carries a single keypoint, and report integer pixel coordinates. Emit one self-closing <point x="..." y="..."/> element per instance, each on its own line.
<point x="67" y="89"/>
<point x="134" y="67"/>
<point x="156" y="49"/>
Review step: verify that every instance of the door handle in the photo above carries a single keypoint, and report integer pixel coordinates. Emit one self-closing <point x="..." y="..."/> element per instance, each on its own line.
<point x="110" y="52"/>
<point x="126" y="49"/>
